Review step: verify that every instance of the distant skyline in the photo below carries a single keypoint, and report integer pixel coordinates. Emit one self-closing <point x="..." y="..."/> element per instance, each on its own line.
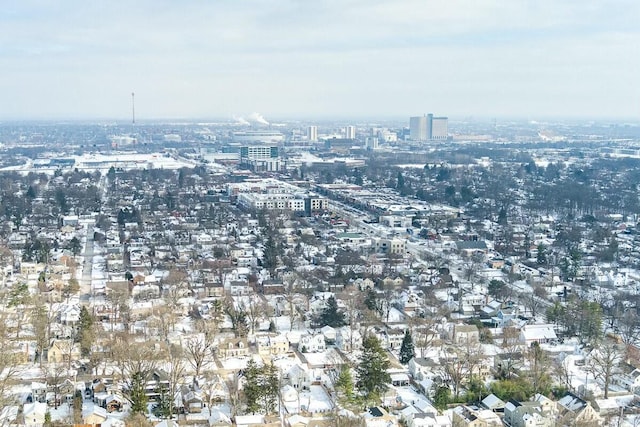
<point x="198" y="59"/>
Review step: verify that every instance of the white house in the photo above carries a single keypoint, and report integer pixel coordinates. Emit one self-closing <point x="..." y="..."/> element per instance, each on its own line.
<point x="34" y="413"/>
<point x="537" y="333"/>
<point x="299" y="377"/>
<point x="312" y="343"/>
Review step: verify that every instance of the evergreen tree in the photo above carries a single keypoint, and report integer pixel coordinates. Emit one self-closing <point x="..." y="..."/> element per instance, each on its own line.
<point x="542" y="254"/>
<point x="441" y="397"/>
<point x="31" y="192"/>
<point x="270" y="254"/>
<point x="344" y="385"/>
<point x="407" y="351"/>
<point x="371" y="300"/>
<point x="75" y="246"/>
<point x="252" y="387"/>
<point x="86" y="333"/>
<point x="261" y="387"/>
<point x="268" y="388"/>
<point x="137" y="394"/>
<point x="372" y="374"/>
<point x="331" y="316"/>
<point x="162" y="408"/>
<point x="400" y="181"/>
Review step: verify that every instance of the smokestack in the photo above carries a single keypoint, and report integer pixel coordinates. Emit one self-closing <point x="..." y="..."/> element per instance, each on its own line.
<point x="133" y="108"/>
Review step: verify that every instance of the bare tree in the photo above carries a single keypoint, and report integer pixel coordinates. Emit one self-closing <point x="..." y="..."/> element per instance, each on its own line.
<point x="254" y="308"/>
<point x="117" y="301"/>
<point x="198" y="350"/>
<point x="56" y="374"/>
<point x="629" y="327"/>
<point x="10" y="368"/>
<point x="290" y="297"/>
<point x="562" y="371"/>
<point x="174" y="359"/>
<point x="164" y="320"/>
<point x="42" y="317"/>
<point x="176" y="286"/>
<point x="461" y="365"/>
<point x="531" y="301"/>
<point x="424" y="330"/>
<point x="511" y="355"/>
<point x="134" y="359"/>
<point x="471" y="265"/>
<point x="604" y="363"/>
<point x="353" y="300"/>
<point x="234" y="394"/>
<point x="538" y="368"/>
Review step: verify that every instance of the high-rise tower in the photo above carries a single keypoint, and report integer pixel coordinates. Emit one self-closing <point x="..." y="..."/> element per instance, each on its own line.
<point x="312" y="133"/>
<point x="350" y="132"/>
<point x="418" y="128"/>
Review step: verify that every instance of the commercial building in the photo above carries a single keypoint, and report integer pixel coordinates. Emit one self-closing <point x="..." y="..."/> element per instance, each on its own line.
<point x="418" y="128"/>
<point x="258" y="136"/>
<point x="312" y="133"/>
<point x="439" y="128"/>
<point x="271" y="194"/>
<point x="350" y="132"/>
<point x="261" y="158"/>
<point x="428" y="127"/>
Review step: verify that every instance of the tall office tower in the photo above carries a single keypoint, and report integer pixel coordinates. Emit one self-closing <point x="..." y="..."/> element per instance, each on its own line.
<point x="439" y="128"/>
<point x="429" y="126"/>
<point x="371" y="143"/>
<point x="350" y="132"/>
<point x="312" y="133"/>
<point x="418" y="128"/>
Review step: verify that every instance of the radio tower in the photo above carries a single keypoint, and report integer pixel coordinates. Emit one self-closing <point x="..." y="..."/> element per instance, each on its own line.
<point x="133" y="108"/>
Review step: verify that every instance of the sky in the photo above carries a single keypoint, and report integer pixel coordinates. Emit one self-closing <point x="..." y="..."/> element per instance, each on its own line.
<point x="531" y="59"/>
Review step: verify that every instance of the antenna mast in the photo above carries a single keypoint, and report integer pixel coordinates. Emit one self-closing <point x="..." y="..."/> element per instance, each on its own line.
<point x="133" y="108"/>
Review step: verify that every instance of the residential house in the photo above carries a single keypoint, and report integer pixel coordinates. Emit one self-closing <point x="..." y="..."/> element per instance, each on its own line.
<point x="312" y="343"/>
<point x="272" y="345"/>
<point x="630" y="381"/>
<point x="34" y="413"/>
<point x="38" y="392"/>
<point x="67" y="390"/>
<point x="472" y="416"/>
<point x="428" y="420"/>
<point x="465" y="334"/>
<point x="191" y="400"/>
<point x="493" y="403"/>
<point x="109" y="401"/>
<point x="379" y="416"/>
<point x="97" y="417"/>
<point x="240" y="287"/>
<point x="63" y="351"/>
<point x="468" y="248"/>
<point x="541" y="333"/>
<point x="577" y="410"/>
<point x="219" y="419"/>
<point x="70" y="315"/>
<point x="233" y="347"/>
<point x="536" y="413"/>
<point x="299" y="377"/>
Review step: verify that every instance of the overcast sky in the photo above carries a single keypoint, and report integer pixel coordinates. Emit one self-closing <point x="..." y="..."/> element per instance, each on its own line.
<point x="319" y="58"/>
